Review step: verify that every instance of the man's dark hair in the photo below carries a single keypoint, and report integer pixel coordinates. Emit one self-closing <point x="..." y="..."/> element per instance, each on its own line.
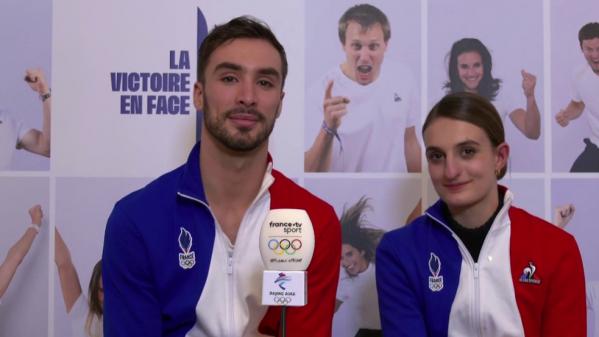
<point x="366" y="15"/>
<point x="588" y="32"/>
<point x="243" y="27"/>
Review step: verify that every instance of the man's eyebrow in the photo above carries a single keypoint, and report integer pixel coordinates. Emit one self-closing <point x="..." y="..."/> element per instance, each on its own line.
<point x="227" y="66"/>
<point x="268" y="71"/>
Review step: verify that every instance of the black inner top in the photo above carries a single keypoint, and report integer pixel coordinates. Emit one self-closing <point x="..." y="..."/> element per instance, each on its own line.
<point x="472" y="238"/>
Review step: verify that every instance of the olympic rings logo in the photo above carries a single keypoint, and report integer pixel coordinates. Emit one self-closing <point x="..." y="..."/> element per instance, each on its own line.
<point x="286" y="246"/>
<point x="282" y="300"/>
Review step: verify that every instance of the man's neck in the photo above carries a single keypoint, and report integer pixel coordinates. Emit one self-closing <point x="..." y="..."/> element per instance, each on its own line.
<point x="231" y="181"/>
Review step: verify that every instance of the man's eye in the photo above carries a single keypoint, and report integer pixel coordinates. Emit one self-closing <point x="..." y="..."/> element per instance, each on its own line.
<point x="373" y="46"/>
<point x="357" y="46"/>
<point x="229" y="79"/>
<point x="265" y="83"/>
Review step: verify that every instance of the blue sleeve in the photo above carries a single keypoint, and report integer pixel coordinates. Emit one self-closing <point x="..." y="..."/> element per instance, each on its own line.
<point x="400" y="309"/>
<point x="131" y="306"/>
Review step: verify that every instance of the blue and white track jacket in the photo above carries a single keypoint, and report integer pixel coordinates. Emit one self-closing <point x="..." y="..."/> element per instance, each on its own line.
<point x="528" y="280"/>
<point x="169" y="270"/>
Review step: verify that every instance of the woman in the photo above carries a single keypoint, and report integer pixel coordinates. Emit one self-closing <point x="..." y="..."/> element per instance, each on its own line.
<point x="85" y="314"/>
<point x="469" y="69"/>
<point x="356" y="305"/>
<point x="19" y="250"/>
<point x="474" y="264"/>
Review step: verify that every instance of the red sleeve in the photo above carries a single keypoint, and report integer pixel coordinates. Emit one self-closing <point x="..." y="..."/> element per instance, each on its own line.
<point x="316" y="318"/>
<point x="565" y="311"/>
<point x="556" y="305"/>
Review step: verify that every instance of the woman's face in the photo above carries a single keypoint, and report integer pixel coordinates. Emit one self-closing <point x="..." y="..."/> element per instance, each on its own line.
<point x="470" y="70"/>
<point x="353" y="260"/>
<point x="462" y="163"/>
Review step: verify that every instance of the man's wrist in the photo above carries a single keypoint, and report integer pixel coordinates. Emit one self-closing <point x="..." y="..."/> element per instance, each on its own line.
<point x="333" y="133"/>
<point x="46" y="95"/>
<point x="36" y="227"/>
<point x="328" y="130"/>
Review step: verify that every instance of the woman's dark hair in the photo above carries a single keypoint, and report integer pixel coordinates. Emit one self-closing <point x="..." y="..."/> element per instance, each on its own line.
<point x="95" y="306"/>
<point x="488" y="86"/>
<point x="354" y="230"/>
<point x="474" y="109"/>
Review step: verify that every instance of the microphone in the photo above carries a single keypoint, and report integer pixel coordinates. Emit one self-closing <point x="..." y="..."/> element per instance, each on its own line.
<point x="286" y="246"/>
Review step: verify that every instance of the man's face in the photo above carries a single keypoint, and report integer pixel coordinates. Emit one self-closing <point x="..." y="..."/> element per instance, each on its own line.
<point x="364" y="51"/>
<point x="470" y="70"/>
<point x="242" y="93"/>
<point x="590" y="50"/>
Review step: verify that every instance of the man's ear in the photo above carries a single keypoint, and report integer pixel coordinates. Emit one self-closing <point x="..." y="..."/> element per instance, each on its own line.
<point x="280" y="108"/>
<point x="198" y="95"/>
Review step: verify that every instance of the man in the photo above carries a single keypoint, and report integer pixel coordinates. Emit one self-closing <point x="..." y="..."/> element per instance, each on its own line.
<point x="181" y="256"/>
<point x="14" y="135"/>
<point x="366" y="122"/>
<point x="585" y="96"/>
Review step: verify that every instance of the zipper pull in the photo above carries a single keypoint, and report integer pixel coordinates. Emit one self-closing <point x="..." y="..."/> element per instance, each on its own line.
<point x="230" y="264"/>
<point x="476" y="270"/>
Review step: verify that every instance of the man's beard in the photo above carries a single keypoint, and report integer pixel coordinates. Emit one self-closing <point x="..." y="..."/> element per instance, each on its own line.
<point x="242" y="142"/>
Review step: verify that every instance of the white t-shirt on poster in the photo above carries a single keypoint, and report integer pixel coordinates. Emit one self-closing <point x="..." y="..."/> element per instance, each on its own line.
<point x="11" y="132"/>
<point x="360" y="307"/>
<point x="372" y="131"/>
<point x="586" y="89"/>
<point x="78" y="317"/>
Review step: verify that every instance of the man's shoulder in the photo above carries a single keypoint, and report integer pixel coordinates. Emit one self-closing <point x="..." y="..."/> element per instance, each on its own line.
<point x="285" y="193"/>
<point x="582" y="72"/>
<point x="156" y="193"/>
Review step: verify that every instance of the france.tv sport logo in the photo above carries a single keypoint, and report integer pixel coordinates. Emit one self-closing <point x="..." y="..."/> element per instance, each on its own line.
<point x="285" y="246"/>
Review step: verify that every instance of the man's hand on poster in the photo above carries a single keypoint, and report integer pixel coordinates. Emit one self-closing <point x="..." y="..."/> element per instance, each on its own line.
<point x="334" y="107"/>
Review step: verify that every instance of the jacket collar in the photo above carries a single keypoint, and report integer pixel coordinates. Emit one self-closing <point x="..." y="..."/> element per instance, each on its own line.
<point x="191" y="185"/>
<point x="502" y="219"/>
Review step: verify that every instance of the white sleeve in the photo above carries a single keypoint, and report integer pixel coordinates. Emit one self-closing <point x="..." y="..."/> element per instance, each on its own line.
<point x="77" y="316"/>
<point x="574" y="92"/>
<point x="313" y="115"/>
<point x="409" y="85"/>
<point x="343" y="288"/>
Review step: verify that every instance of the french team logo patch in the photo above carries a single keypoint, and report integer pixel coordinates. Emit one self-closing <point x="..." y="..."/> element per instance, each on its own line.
<point x="435" y="282"/>
<point x="187" y="259"/>
<point x="528" y="274"/>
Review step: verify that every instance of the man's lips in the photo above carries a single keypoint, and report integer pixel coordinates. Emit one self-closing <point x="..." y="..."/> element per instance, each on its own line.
<point x="364" y="69"/>
<point x="244" y="118"/>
